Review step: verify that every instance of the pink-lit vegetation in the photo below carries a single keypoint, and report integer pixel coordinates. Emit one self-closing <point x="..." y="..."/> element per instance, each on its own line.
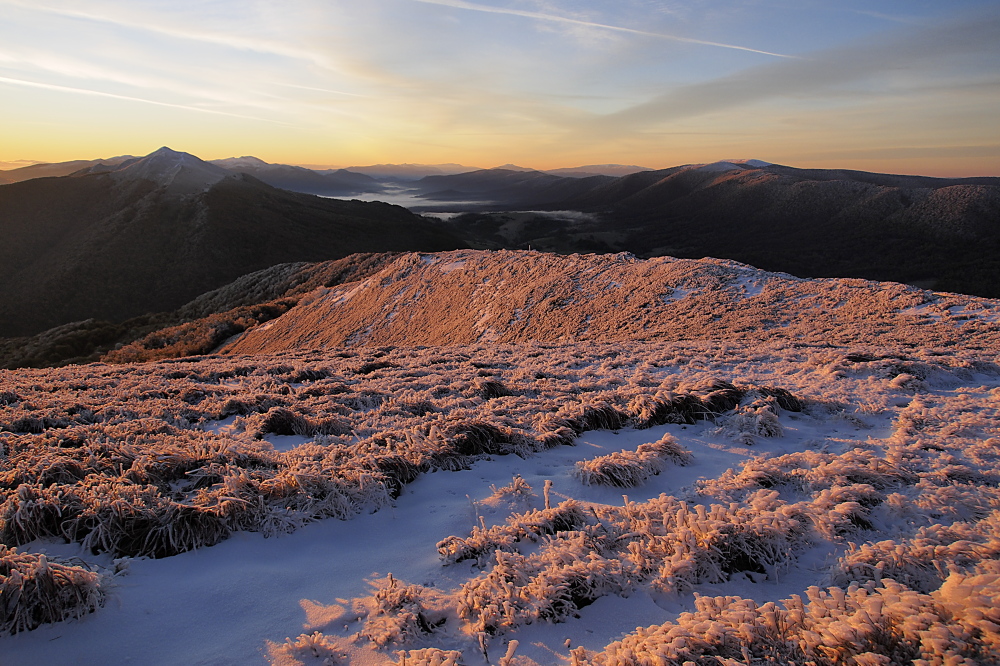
<point x="626" y="469"/>
<point x="160" y="458"/>
<point x="34" y="591"/>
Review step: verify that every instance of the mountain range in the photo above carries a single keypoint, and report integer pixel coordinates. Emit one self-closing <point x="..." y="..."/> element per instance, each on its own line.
<point x="935" y="232"/>
<point x="119" y="249"/>
<point x="149" y="234"/>
<point x="330" y="183"/>
<point x="49" y="170"/>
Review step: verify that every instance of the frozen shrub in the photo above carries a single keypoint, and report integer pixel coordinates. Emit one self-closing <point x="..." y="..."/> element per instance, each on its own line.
<point x="163" y="529"/>
<point x="471" y="438"/>
<point x="397" y="613"/>
<point x="281" y="421"/>
<point x="429" y="657"/>
<point x="308" y="375"/>
<point x="783" y="397"/>
<point x="719" y="396"/>
<point x="490" y="389"/>
<point x="566" y="516"/>
<point x="395" y="472"/>
<point x="661" y="542"/>
<point x="680" y="546"/>
<point x="552" y="584"/>
<point x="35" y="591"/>
<point x="886" y="624"/>
<point x="974" y="602"/>
<point x="924" y="561"/>
<point x="908" y="382"/>
<point x="665" y="407"/>
<point x="843" y="510"/>
<point x="517" y="494"/>
<point x="315" y="646"/>
<point x="31" y="513"/>
<point x="595" y="416"/>
<point x="755" y="416"/>
<point x="370" y="367"/>
<point x="809" y="472"/>
<point x="626" y="469"/>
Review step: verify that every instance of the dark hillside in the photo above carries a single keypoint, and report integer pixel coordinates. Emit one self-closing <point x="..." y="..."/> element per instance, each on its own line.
<point x="196" y="327"/>
<point x="113" y="246"/>
<point x="939" y="233"/>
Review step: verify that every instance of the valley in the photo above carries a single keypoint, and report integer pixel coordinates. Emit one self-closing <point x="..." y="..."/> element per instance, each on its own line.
<point x="339" y="432"/>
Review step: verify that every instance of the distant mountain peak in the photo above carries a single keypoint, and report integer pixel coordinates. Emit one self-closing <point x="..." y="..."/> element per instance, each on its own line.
<point x="512" y="167"/>
<point x="615" y="170"/>
<point x="751" y="163"/>
<point x="247" y="161"/>
<point x="181" y="173"/>
<point x="730" y="165"/>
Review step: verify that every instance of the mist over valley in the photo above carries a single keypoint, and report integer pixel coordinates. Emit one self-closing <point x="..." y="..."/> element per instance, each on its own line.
<point x="734" y="412"/>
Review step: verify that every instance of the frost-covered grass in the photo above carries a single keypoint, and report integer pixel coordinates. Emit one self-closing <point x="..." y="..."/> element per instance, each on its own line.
<point x="626" y="469"/>
<point x="35" y="591"/>
<point x="874" y="624"/>
<point x="124" y="459"/>
<point x="874" y="500"/>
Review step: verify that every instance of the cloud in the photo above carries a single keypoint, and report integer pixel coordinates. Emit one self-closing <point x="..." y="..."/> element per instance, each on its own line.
<point x="98" y="93"/>
<point x="323" y="90"/>
<point x="78" y="68"/>
<point x="554" y="18"/>
<point x="227" y="39"/>
<point x="909" y="53"/>
<point x="884" y="17"/>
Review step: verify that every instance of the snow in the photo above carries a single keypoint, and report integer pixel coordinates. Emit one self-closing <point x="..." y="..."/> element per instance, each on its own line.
<point x="937" y="311"/>
<point x="719" y="166"/>
<point x="750" y="285"/>
<point x="180" y="172"/>
<point x="452" y="266"/>
<point x="866" y="417"/>
<point x="229" y="600"/>
<point x="245" y="162"/>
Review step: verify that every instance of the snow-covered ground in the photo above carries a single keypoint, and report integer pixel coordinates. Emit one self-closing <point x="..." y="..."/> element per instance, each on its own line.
<point x="921" y="435"/>
<point x="234" y="602"/>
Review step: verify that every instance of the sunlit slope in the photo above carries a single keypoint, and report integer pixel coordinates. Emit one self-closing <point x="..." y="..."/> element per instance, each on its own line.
<point x="465" y="297"/>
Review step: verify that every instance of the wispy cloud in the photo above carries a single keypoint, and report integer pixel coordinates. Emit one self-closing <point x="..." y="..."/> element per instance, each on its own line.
<point x="80" y="69"/>
<point x="885" y="17"/>
<point x="128" y="98"/>
<point x="555" y="18"/>
<point x="228" y="39"/>
<point x="322" y="90"/>
<point x="910" y="52"/>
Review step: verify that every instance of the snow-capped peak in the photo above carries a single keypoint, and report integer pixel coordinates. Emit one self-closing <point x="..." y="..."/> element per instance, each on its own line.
<point x="719" y="166"/>
<point x="730" y="165"/>
<point x="180" y="172"/>
<point x="757" y="164"/>
<point x="245" y="162"/>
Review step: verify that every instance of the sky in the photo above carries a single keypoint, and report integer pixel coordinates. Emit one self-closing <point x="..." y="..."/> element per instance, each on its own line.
<point x="900" y="86"/>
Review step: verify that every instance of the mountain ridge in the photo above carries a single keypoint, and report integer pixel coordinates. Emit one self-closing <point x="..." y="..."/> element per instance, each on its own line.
<point x="506" y="297"/>
<point x="156" y="232"/>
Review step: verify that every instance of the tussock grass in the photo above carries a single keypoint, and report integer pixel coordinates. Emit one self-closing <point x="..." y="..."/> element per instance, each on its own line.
<point x="429" y="657"/>
<point x="530" y="526"/>
<point x="35" y="591"/>
<point x="626" y="469"/>
<point x="873" y="624"/>
<point x="132" y="460"/>
<point x="397" y="613"/>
